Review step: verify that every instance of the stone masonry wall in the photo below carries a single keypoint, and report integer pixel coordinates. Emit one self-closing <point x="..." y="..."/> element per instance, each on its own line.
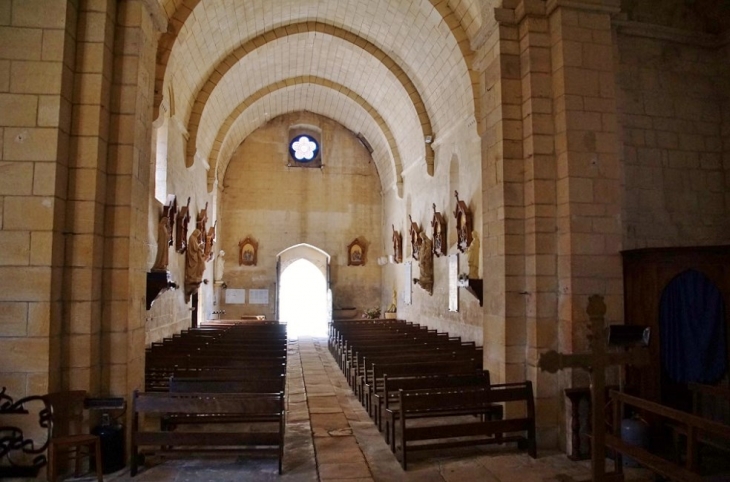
<point x="280" y="207"/>
<point x="37" y="56"/>
<point x="672" y="94"/>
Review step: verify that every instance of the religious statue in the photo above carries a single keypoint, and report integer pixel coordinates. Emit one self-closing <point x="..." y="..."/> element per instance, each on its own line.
<point x="219" y="265"/>
<point x="415" y="240"/>
<point x="463" y="224"/>
<point x="181" y="228"/>
<point x="397" y="245"/>
<point x="425" y="263"/>
<point x="209" y="242"/>
<point x="164" y="241"/>
<point x="393" y="307"/>
<point x="473" y="256"/>
<point x="194" y="263"/>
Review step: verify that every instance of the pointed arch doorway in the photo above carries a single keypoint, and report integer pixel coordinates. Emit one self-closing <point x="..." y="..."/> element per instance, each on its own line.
<point x="303" y="293"/>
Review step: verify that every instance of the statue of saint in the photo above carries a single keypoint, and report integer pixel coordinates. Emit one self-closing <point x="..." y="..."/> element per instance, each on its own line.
<point x="393" y="303"/>
<point x="219" y="265"/>
<point x="425" y="263"/>
<point x="194" y="263"/>
<point x="164" y="241"/>
<point x="473" y="256"/>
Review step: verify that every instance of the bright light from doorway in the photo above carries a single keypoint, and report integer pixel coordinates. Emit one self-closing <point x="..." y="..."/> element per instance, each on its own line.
<point x="303" y="300"/>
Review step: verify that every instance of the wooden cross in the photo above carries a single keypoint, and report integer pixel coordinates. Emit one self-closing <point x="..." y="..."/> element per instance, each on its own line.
<point x="596" y="363"/>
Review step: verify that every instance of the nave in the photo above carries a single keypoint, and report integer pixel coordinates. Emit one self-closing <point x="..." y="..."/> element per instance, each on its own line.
<point x="330" y="437"/>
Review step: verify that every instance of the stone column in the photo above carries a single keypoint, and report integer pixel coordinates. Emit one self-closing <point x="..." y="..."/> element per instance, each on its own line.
<point x="588" y="170"/>
<point x="540" y="288"/>
<point x="87" y="197"/>
<point x="502" y="239"/>
<point x="37" y="59"/>
<point x="128" y="192"/>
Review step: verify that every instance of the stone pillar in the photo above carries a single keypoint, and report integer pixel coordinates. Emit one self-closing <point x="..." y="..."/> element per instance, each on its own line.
<point x="128" y="192"/>
<point x="588" y="171"/>
<point x="502" y="239"/>
<point x="87" y="197"/>
<point x="37" y="59"/>
<point x="540" y="288"/>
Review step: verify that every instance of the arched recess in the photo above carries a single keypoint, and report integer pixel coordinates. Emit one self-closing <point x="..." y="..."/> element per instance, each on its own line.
<point x="317" y="257"/>
<point x="397" y="164"/>
<point x="234" y="57"/>
<point x="301" y="98"/>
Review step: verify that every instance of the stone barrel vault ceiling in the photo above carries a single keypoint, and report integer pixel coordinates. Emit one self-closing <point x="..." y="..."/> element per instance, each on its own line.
<point x="394" y="70"/>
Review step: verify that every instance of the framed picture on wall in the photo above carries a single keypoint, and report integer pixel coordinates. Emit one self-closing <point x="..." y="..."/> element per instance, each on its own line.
<point x="248" y="249"/>
<point x="356" y="253"/>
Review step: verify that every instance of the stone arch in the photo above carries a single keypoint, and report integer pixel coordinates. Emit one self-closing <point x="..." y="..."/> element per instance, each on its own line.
<point x="456" y="23"/>
<point x="213" y="157"/>
<point x="234" y="57"/>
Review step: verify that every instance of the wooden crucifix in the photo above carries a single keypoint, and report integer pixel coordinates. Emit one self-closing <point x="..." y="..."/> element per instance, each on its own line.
<point x="596" y="363"/>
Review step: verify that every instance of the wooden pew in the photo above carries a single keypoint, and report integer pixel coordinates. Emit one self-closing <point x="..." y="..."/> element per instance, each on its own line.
<point x="456" y="366"/>
<point x="363" y="357"/>
<point x="220" y="385"/>
<point x="226" y="385"/>
<point x="260" y="407"/>
<point x="693" y="426"/>
<point x="387" y="398"/>
<point x="450" y="406"/>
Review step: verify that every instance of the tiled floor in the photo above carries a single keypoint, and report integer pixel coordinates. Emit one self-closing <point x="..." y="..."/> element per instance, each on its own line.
<point x="329" y="437"/>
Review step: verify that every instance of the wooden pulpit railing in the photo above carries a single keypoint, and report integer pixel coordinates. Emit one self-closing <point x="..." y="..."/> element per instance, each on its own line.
<point x="693" y="426"/>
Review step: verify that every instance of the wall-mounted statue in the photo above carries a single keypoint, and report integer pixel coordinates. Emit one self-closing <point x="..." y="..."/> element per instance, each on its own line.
<point x="164" y="241"/>
<point x="220" y="264"/>
<point x="463" y="224"/>
<point x="425" y="264"/>
<point x="397" y="245"/>
<point x="438" y="231"/>
<point x="413" y="231"/>
<point x="181" y="228"/>
<point x="473" y="256"/>
<point x="194" y="263"/>
<point x="202" y="220"/>
<point x="209" y="242"/>
<point x="164" y="234"/>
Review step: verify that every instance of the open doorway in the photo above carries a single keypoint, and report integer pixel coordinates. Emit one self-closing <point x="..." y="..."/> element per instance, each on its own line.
<point x="304" y="300"/>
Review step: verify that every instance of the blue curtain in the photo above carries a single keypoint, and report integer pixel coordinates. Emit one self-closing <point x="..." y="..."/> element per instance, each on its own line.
<point x="692" y="329"/>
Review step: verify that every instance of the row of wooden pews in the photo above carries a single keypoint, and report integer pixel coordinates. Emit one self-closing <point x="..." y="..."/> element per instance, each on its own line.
<point x="214" y="390"/>
<point x="428" y="390"/>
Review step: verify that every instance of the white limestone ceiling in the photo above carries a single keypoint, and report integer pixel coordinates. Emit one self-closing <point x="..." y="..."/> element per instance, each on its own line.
<point x="319" y="100"/>
<point x="351" y="69"/>
<point x="424" y="39"/>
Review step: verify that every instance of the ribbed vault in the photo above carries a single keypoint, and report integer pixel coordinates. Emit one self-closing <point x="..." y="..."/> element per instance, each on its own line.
<point x="423" y="84"/>
<point x="314" y="98"/>
<point x="382" y="154"/>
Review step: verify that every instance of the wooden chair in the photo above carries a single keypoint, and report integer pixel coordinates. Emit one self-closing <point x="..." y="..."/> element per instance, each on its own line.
<point x="67" y="438"/>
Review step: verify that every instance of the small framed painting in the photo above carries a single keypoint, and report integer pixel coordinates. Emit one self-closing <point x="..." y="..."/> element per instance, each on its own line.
<point x="247" y="252"/>
<point x="356" y="253"/>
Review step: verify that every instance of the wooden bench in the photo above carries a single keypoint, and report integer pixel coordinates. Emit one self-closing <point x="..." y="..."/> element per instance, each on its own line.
<point x="387" y="398"/>
<point x="373" y="383"/>
<point x="258" y="407"/>
<point x="450" y="409"/>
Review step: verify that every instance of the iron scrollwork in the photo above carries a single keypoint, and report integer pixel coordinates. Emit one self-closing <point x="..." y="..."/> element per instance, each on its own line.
<point x="13" y="443"/>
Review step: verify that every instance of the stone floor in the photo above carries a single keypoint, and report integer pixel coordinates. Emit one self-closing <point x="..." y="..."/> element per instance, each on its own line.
<point x="329" y="437"/>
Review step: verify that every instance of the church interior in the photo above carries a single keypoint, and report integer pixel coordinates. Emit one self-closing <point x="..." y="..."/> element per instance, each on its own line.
<point x="484" y="168"/>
